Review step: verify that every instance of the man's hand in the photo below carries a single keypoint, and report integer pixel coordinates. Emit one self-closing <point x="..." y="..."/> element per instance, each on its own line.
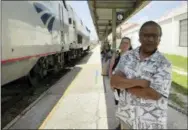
<point x="137" y="91"/>
<point x="122" y="82"/>
<point x="113" y="88"/>
<point x="143" y="83"/>
<point x="145" y="93"/>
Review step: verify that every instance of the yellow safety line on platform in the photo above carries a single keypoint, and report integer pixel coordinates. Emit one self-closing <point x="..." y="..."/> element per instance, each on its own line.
<point x="56" y="105"/>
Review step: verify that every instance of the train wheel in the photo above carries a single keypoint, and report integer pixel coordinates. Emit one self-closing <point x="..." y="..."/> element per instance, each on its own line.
<point x="34" y="76"/>
<point x="88" y="49"/>
<point x="57" y="68"/>
<point x="77" y="54"/>
<point x="80" y="53"/>
<point x="59" y="63"/>
<point x="38" y="73"/>
<point x="62" y="62"/>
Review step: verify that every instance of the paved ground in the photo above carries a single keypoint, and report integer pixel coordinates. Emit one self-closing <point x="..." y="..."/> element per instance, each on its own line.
<point x="176" y="120"/>
<point x="82" y="105"/>
<point x="85" y="104"/>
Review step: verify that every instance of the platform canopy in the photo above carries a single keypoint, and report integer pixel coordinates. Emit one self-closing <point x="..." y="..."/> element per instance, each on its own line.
<point x="101" y="13"/>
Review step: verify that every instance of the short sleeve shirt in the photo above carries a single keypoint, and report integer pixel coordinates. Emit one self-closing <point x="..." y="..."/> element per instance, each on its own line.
<point x="136" y="112"/>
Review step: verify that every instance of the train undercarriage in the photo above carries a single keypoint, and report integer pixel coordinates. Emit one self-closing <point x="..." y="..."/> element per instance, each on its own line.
<point x="53" y="64"/>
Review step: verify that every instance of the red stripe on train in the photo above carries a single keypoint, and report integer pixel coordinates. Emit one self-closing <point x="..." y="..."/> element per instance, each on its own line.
<point x="25" y="57"/>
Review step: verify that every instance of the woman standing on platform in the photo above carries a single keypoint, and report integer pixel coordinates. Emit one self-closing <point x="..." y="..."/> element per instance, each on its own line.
<point x="107" y="54"/>
<point x="125" y="46"/>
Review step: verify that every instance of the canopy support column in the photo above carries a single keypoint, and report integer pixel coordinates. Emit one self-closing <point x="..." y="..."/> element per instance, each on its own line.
<point x="106" y="35"/>
<point x="114" y="30"/>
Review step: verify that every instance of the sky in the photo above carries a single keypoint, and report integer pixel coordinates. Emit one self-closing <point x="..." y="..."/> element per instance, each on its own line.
<point x="154" y="10"/>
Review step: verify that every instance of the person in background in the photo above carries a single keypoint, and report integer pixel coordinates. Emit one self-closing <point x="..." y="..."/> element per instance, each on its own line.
<point x="144" y="76"/>
<point x="106" y="59"/>
<point x="125" y="45"/>
<point x="106" y="51"/>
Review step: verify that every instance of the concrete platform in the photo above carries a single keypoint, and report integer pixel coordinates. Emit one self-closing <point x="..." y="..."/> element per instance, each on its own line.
<point x="79" y="100"/>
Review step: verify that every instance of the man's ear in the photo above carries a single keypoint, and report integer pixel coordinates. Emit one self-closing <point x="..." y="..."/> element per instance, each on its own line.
<point x="139" y="40"/>
<point x="159" y="40"/>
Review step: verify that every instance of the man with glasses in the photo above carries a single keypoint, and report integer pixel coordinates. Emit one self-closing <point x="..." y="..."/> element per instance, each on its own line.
<point x="144" y="77"/>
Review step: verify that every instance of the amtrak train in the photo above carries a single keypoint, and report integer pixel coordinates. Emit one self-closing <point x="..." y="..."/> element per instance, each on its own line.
<point x="39" y="37"/>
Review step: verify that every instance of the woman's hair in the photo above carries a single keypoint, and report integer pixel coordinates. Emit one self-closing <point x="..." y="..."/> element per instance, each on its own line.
<point x="130" y="48"/>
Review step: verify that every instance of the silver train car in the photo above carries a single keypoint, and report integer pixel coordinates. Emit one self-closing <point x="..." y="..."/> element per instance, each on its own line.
<point x="38" y="37"/>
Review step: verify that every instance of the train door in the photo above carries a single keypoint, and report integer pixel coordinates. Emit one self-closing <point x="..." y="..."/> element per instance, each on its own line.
<point x="62" y="40"/>
<point x="70" y="29"/>
<point x="54" y="24"/>
<point x="74" y="27"/>
<point x="66" y="25"/>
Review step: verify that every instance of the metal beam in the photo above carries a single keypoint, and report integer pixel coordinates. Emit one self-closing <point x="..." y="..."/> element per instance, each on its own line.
<point x="102" y="30"/>
<point x="139" y="4"/>
<point x="98" y="15"/>
<point x="117" y="1"/>
<point x="95" y="15"/>
<point x="102" y="24"/>
<point x="102" y="27"/>
<point x="106" y="33"/>
<point x="108" y="5"/>
<point x="104" y="20"/>
<point x="114" y="30"/>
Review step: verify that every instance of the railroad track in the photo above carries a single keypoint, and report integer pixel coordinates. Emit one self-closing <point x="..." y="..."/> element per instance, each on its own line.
<point x="19" y="94"/>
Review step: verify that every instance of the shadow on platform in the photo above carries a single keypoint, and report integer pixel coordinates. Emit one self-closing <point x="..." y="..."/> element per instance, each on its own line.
<point x="110" y="104"/>
<point x="40" y="109"/>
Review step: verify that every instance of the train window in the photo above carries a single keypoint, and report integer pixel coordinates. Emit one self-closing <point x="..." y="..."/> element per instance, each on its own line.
<point x="87" y="29"/>
<point x="79" y="38"/>
<point x="74" y="24"/>
<point x="40" y="7"/>
<point x="50" y="25"/>
<point x="45" y="17"/>
<point x="183" y="33"/>
<point x="70" y="21"/>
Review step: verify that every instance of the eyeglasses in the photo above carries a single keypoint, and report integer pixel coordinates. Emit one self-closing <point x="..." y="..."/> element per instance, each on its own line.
<point x="154" y="36"/>
<point x="125" y="43"/>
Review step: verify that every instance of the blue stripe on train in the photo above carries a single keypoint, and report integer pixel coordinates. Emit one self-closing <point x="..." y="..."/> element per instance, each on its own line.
<point x="40" y="8"/>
